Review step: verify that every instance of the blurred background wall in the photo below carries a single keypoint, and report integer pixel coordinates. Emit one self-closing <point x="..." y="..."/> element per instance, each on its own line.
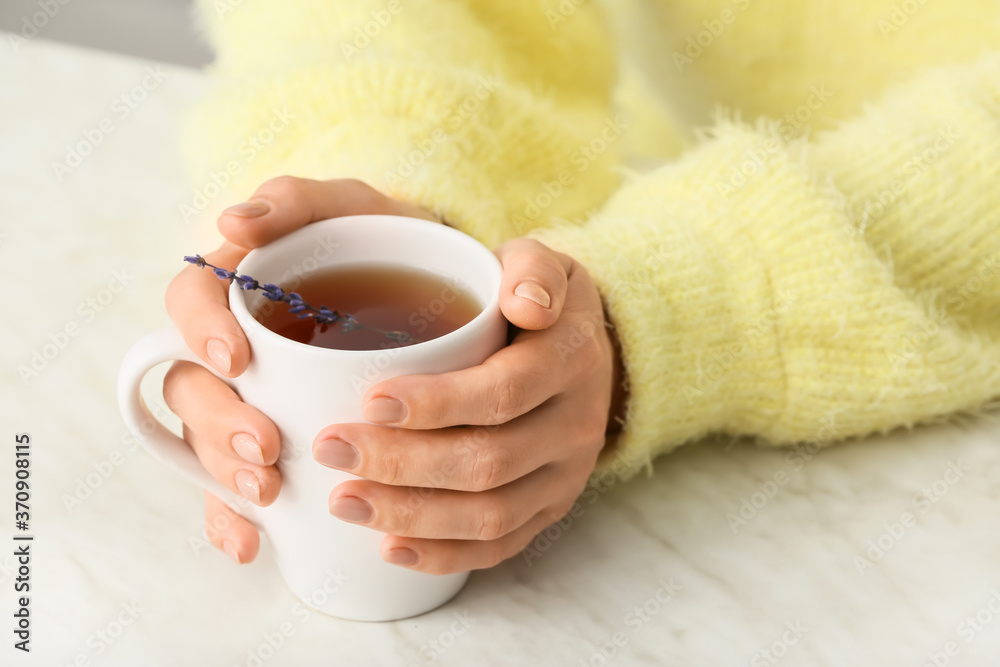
<point x="155" y="29"/>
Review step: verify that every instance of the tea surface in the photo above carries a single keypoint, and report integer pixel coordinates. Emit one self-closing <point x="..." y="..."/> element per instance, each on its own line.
<point x="383" y="298"/>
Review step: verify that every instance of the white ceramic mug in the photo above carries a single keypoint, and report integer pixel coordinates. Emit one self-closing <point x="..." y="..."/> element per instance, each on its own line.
<point x="303" y="388"/>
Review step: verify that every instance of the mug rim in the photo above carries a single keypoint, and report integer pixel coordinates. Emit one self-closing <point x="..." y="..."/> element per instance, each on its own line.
<point x="237" y="296"/>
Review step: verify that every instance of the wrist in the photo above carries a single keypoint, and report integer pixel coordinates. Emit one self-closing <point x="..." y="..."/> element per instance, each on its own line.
<point x="619" y="384"/>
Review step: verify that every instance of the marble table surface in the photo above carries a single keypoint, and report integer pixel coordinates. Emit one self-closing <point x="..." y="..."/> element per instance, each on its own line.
<point x="878" y="552"/>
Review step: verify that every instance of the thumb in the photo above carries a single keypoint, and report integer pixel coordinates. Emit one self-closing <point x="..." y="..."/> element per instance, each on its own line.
<point x="533" y="288"/>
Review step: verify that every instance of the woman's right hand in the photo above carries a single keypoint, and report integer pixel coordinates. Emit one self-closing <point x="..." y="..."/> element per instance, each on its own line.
<point x="237" y="444"/>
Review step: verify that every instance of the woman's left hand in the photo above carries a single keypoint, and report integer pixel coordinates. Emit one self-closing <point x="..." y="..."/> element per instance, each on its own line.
<point x="467" y="467"/>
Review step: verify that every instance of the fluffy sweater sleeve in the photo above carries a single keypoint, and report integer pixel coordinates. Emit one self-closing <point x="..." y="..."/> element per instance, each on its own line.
<point x="490" y="113"/>
<point x="760" y="285"/>
<point x="810" y="291"/>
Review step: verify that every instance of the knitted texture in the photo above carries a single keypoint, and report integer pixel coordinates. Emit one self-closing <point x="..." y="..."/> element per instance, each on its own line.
<point x="767" y="283"/>
<point x="810" y="292"/>
<point x="437" y="102"/>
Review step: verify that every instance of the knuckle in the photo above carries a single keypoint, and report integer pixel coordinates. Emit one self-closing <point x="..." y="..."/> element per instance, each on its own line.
<point x="285" y="187"/>
<point x="495" y="520"/>
<point x="358" y="186"/>
<point x="535" y="248"/>
<point x="387" y="468"/>
<point x="401" y="519"/>
<point x="364" y="195"/>
<point x="173" y="383"/>
<point x="506" y="400"/>
<point x="490" y="468"/>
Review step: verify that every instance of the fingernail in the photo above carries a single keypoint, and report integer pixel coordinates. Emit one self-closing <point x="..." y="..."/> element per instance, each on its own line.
<point x="336" y="453"/>
<point x="247" y="447"/>
<point x="401" y="556"/>
<point x="248" y="486"/>
<point x="218" y="354"/>
<point x="254" y="208"/>
<point x="385" y="410"/>
<point x="355" y="510"/>
<point x="532" y="291"/>
<point x="230" y="550"/>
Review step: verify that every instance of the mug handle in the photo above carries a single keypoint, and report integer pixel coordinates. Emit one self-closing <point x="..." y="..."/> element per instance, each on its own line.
<point x="157" y="347"/>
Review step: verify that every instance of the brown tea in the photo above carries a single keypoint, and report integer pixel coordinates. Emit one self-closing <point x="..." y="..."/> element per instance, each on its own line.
<point x="395" y="307"/>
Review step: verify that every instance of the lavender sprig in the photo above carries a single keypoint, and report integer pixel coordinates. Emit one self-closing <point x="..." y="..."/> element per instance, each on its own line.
<point x="323" y="316"/>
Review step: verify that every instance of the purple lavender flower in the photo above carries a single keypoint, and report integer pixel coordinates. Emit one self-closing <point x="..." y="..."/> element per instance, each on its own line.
<point x="273" y="292"/>
<point x="350" y="324"/>
<point x="323" y="316"/>
<point x="327" y="316"/>
<point x="246" y="282"/>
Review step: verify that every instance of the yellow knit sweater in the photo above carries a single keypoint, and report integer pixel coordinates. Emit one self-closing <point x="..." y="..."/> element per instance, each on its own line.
<point x="820" y="261"/>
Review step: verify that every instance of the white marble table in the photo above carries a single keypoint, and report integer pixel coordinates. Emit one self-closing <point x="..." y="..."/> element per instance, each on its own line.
<point x="652" y="573"/>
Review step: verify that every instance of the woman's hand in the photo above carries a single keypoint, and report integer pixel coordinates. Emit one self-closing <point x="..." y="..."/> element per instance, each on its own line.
<point x="467" y="467"/>
<point x="236" y="443"/>
<point x="477" y="462"/>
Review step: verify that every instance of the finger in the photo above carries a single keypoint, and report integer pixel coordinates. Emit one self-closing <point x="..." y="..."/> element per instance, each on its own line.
<point x="286" y="203"/>
<point x="198" y="303"/>
<point x="230" y="532"/>
<point x="449" y="556"/>
<point x="235" y="442"/>
<point x="475" y="458"/>
<point x="446" y="514"/>
<point x="534" y="283"/>
<point x="536" y="366"/>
